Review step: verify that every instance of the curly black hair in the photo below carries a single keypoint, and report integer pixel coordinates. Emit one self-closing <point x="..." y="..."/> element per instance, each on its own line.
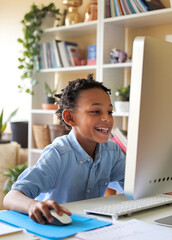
<point x="69" y="95"/>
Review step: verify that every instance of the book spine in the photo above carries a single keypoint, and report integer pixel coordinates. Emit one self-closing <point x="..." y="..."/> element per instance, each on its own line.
<point x="47" y="50"/>
<point x="120" y="144"/>
<point x="58" y="56"/>
<point x="63" y="54"/>
<point x="123" y="7"/>
<point x="134" y="5"/>
<point x="127" y="7"/>
<point x="131" y="7"/>
<point x="117" y="8"/>
<point x="108" y="8"/>
<point x="143" y="5"/>
<point x="120" y="8"/>
<point x="40" y="57"/>
<point x="45" y="61"/>
<point x="112" y="8"/>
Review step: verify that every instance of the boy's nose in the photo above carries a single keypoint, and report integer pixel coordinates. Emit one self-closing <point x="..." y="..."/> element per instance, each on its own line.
<point x="105" y="117"/>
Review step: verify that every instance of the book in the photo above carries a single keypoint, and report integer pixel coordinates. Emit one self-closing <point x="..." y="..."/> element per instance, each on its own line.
<point x="73" y="53"/>
<point x="45" y="60"/>
<point x="153" y="4"/>
<point x="117" y="10"/>
<point x="131" y="7"/>
<point x="127" y="7"/>
<point x="92" y="53"/>
<point x="55" y="54"/>
<point x="124" y="9"/>
<point x="112" y="8"/>
<point x="47" y="49"/>
<point x="120" y="144"/>
<point x="120" y="8"/>
<point x="63" y="54"/>
<point x="40" y="57"/>
<point x="142" y="5"/>
<point x="107" y="9"/>
<point x="134" y="5"/>
<point x="120" y="137"/>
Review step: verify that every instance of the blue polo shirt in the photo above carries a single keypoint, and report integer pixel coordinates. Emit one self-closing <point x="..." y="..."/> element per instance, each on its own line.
<point x="66" y="173"/>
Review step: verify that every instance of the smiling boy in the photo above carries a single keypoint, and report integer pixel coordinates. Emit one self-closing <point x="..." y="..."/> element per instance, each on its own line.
<point x="76" y="166"/>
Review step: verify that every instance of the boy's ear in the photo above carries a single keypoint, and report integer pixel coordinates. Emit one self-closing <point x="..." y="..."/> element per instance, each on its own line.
<point x="67" y="117"/>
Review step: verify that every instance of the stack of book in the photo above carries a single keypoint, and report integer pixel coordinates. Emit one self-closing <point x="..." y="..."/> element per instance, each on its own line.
<point x="120" y="137"/>
<point x="58" y="53"/>
<point x="124" y="7"/>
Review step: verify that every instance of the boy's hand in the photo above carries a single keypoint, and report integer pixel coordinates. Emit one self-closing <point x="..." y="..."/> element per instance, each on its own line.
<point x="36" y="210"/>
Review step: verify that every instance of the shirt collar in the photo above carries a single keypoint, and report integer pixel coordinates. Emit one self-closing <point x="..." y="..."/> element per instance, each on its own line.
<point x="81" y="154"/>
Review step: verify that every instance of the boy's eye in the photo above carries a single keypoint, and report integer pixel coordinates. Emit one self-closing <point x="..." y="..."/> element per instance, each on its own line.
<point x="95" y="111"/>
<point x="110" y="112"/>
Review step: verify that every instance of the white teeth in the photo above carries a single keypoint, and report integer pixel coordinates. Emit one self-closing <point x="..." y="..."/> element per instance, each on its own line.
<point x="102" y="129"/>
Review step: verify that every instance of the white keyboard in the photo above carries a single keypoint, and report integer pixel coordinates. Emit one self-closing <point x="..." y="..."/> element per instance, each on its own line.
<point x="130" y="206"/>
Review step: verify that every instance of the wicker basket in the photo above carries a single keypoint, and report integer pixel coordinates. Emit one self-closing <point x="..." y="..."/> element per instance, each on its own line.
<point x="41" y="135"/>
<point x="57" y="130"/>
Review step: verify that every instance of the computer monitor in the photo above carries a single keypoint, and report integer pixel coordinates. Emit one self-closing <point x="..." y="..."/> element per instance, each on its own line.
<point x="149" y="150"/>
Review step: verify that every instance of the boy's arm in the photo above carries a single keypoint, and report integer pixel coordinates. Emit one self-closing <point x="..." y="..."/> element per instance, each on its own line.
<point x="17" y="201"/>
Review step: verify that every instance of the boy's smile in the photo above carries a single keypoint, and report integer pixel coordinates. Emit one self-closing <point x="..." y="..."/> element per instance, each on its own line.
<point x="92" y="119"/>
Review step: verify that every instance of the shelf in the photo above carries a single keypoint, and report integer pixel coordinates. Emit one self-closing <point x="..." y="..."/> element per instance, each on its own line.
<point x="41" y="111"/>
<point x="146" y="19"/>
<point x="84" y="68"/>
<point x="79" y="29"/>
<point x="118" y="65"/>
<point x="36" y="150"/>
<point x="120" y="114"/>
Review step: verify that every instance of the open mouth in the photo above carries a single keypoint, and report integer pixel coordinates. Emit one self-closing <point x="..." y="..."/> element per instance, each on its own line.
<point x="103" y="130"/>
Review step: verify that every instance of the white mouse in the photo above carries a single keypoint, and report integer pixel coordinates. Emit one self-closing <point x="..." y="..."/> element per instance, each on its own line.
<point x="60" y="220"/>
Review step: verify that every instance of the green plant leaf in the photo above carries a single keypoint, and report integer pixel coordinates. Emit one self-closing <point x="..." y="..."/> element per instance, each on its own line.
<point x="31" y="37"/>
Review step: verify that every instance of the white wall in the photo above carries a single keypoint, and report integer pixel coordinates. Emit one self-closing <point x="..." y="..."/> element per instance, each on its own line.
<point x="11" y="14"/>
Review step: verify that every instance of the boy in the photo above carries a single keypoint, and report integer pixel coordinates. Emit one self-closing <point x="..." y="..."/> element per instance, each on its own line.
<point x="76" y="166"/>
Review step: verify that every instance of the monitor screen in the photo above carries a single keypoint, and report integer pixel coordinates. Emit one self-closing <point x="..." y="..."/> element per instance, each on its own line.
<point x="149" y="149"/>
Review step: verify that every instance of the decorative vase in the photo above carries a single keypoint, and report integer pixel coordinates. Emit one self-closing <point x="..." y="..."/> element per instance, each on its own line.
<point x="91" y="11"/>
<point x="72" y="16"/>
<point x="121" y="106"/>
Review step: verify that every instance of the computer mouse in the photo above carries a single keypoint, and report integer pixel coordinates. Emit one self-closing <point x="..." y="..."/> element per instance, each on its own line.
<point x="60" y="220"/>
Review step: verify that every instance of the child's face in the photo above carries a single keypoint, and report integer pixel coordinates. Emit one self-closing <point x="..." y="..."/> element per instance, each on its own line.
<point x="93" y="119"/>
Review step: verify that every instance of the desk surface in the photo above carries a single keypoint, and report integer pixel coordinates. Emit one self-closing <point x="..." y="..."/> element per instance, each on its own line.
<point x="79" y="206"/>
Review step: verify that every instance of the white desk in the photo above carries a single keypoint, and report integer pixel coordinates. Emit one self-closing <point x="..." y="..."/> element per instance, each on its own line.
<point x="79" y="206"/>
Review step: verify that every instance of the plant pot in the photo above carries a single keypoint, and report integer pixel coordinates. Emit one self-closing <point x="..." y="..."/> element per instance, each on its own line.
<point x="57" y="130"/>
<point x="48" y="21"/>
<point x="49" y="100"/>
<point x="20" y="133"/>
<point x="49" y="104"/>
<point x="41" y="135"/>
<point x="2" y="141"/>
<point x="121" y="106"/>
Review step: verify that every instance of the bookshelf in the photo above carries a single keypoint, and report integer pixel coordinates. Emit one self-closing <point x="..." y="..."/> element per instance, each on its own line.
<point x="106" y="33"/>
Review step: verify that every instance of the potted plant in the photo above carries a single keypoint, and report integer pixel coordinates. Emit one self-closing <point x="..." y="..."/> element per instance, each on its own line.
<point x="49" y="99"/>
<point x="32" y="30"/>
<point x="3" y="124"/>
<point x="123" y="94"/>
<point x="12" y="175"/>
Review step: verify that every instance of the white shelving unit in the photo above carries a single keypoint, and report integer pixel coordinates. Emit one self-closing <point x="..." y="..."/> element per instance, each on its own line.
<point x="106" y="33"/>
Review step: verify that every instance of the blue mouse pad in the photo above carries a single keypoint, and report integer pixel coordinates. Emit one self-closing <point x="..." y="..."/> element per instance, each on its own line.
<point x="79" y="224"/>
